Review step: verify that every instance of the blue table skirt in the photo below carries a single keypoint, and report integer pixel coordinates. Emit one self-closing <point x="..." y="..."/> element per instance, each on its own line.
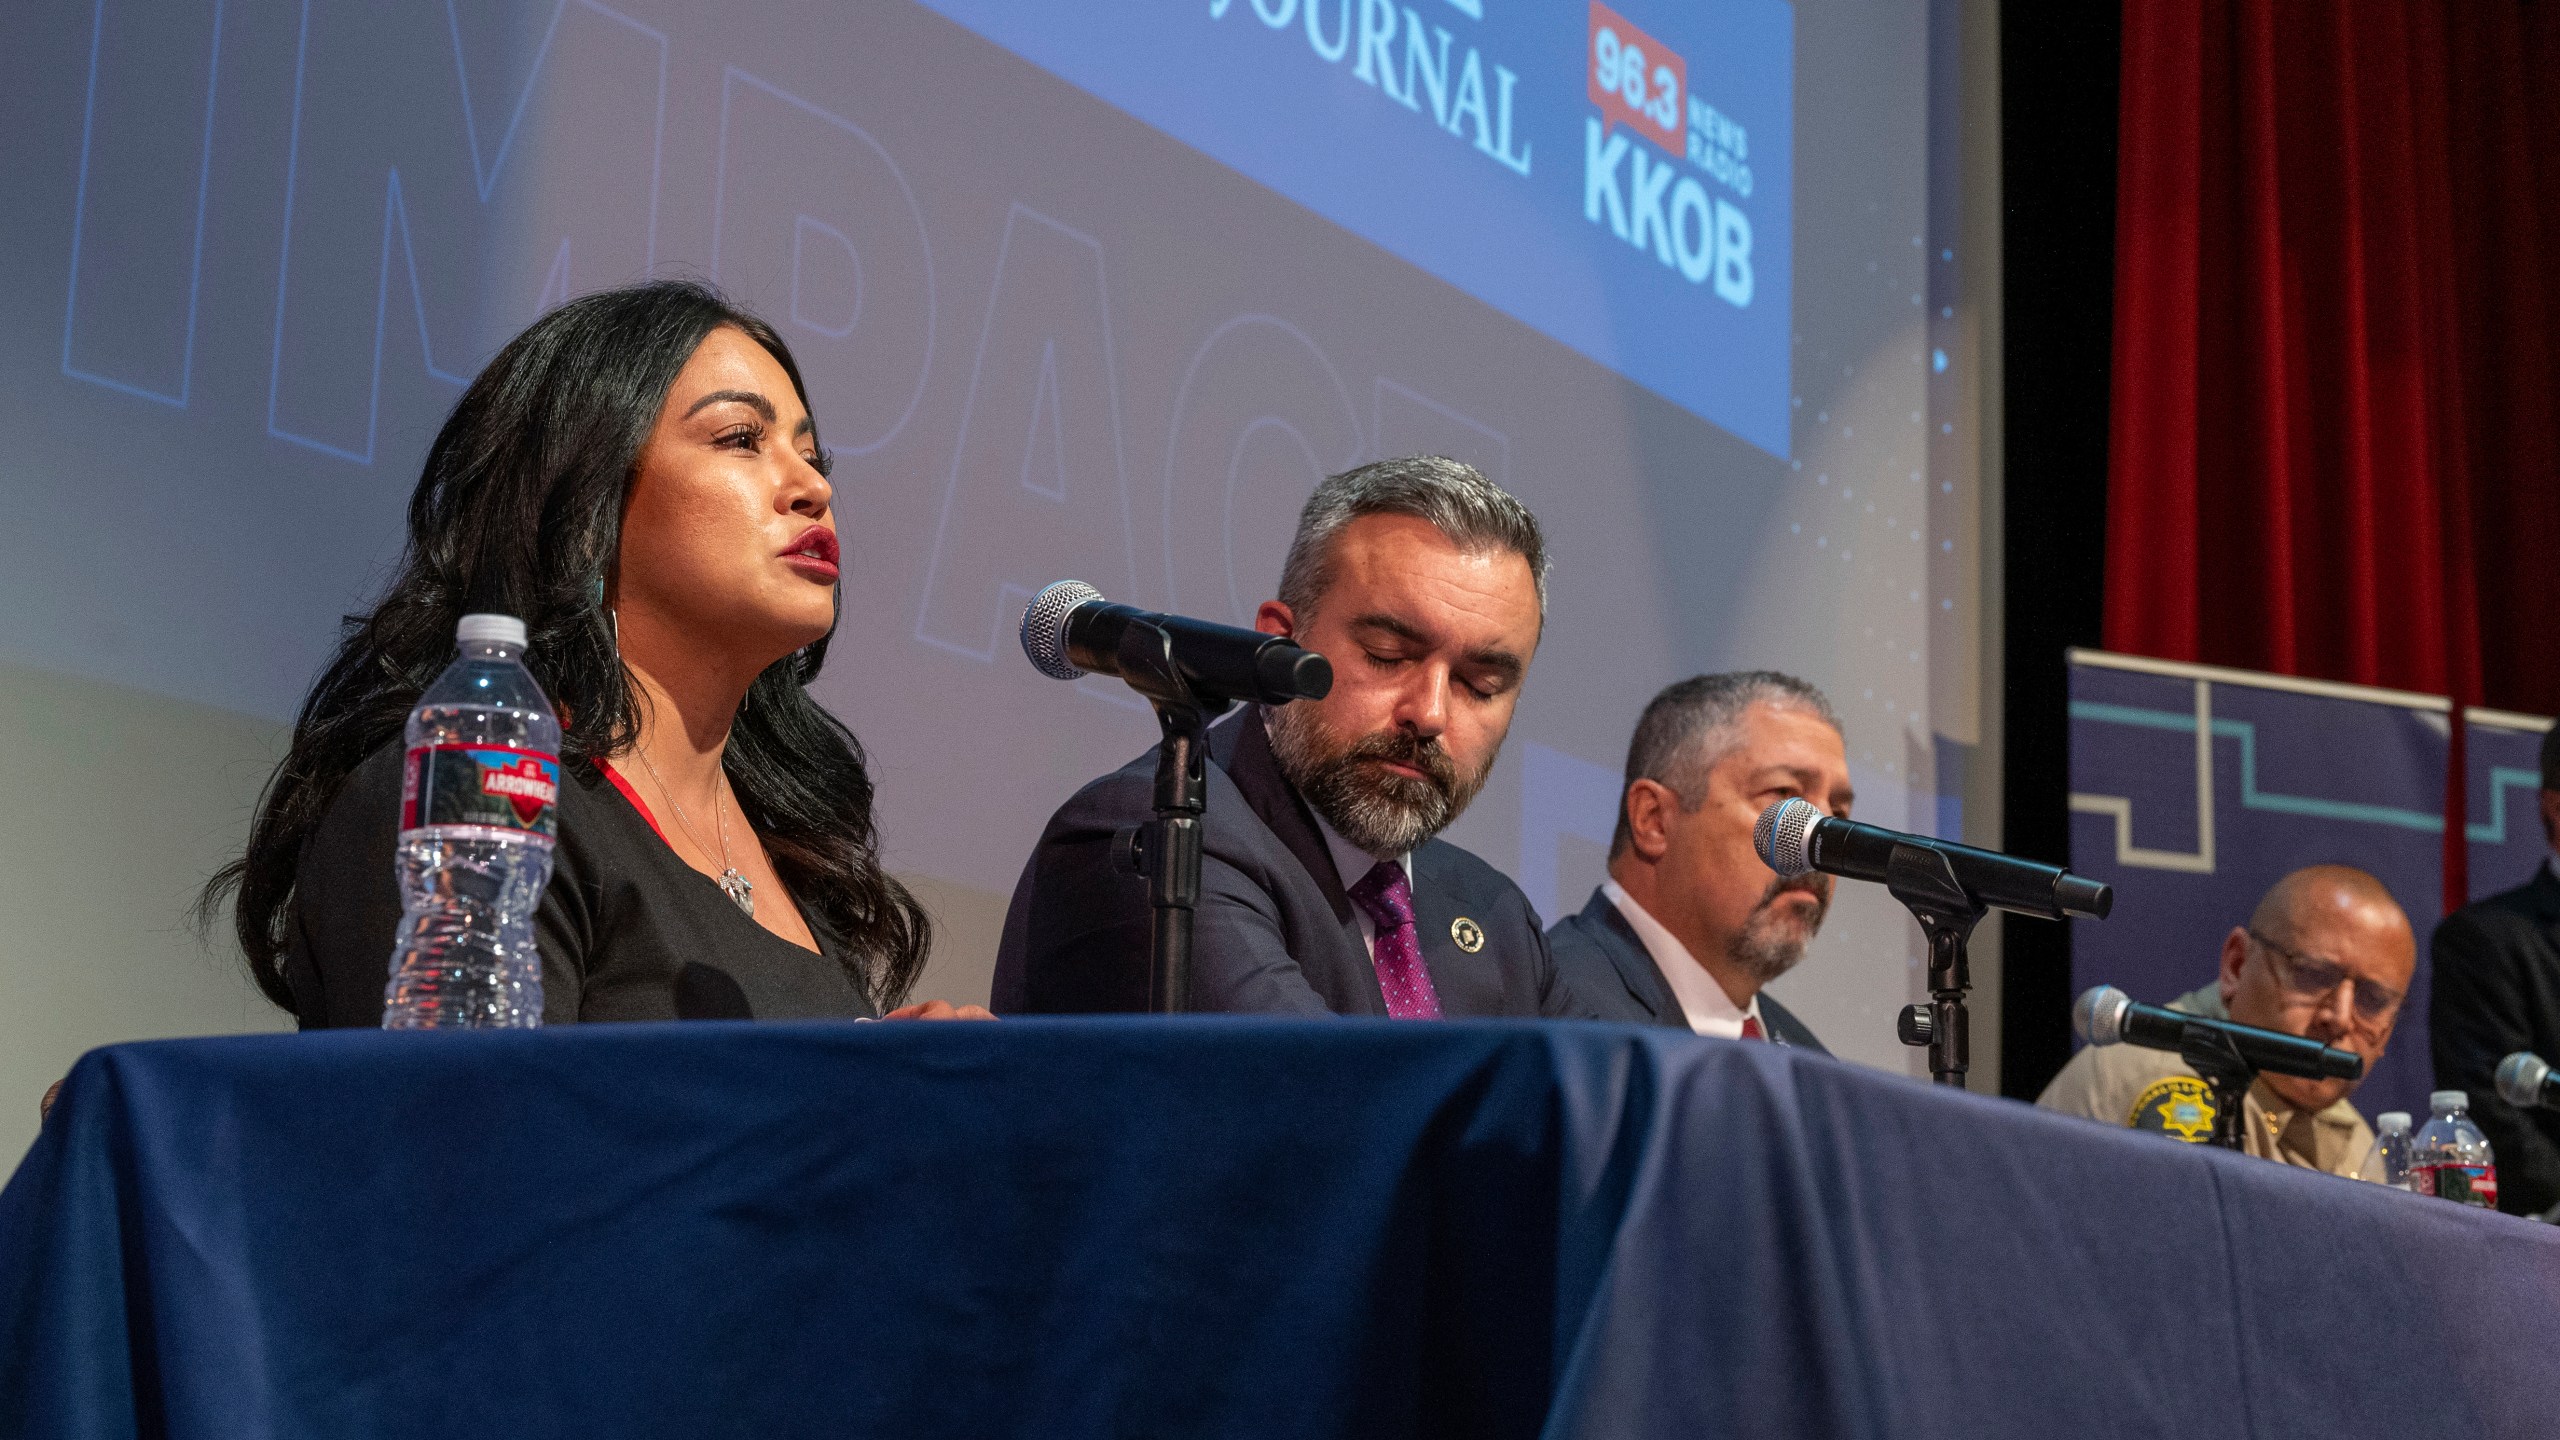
<point x="1201" y="1228"/>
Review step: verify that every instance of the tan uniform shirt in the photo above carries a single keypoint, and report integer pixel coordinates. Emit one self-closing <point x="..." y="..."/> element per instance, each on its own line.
<point x="2155" y="1090"/>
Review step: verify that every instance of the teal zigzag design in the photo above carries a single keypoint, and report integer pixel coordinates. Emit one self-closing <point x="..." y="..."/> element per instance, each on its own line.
<point x="2502" y="778"/>
<point x="2252" y="798"/>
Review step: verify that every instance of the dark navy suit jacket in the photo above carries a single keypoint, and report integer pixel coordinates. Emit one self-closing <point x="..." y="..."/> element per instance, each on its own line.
<point x="1274" y="932"/>
<point x="1604" y="960"/>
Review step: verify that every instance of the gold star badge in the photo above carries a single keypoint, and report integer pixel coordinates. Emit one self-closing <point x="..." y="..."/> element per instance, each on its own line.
<point x="1468" y="934"/>
<point x="2179" y="1106"/>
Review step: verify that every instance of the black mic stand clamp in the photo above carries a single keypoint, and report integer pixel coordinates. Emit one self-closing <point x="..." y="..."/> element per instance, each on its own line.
<point x="2215" y="1056"/>
<point x="1926" y="884"/>
<point x="1166" y="849"/>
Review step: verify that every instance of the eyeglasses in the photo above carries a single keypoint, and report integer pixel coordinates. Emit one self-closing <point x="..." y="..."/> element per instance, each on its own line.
<point x="2308" y="977"/>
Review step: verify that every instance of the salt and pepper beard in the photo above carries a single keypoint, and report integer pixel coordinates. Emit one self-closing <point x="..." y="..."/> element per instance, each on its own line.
<point x="1767" y="947"/>
<point x="1374" y="808"/>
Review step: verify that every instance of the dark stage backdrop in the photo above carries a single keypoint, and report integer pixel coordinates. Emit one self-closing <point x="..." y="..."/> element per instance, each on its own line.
<point x="1093" y="290"/>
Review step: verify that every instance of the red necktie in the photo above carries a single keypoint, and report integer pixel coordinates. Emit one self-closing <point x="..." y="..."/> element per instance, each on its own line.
<point x="1751" y="1028"/>
<point x="1397" y="953"/>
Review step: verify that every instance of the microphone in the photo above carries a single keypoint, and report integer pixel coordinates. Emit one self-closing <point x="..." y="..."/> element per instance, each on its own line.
<point x="1069" y="629"/>
<point x="2106" y="1015"/>
<point x="1794" y="836"/>
<point x="2525" y="1081"/>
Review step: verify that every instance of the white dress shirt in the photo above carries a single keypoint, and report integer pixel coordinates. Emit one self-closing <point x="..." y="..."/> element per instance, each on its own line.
<point x="1353" y="865"/>
<point x="1709" y="1010"/>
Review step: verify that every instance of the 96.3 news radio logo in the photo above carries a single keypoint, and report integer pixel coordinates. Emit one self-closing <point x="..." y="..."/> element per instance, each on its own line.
<point x="1662" y="203"/>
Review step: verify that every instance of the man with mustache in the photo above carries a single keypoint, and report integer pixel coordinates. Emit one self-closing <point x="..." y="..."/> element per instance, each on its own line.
<point x="1322" y="887"/>
<point x="1691" y="925"/>
<point x="2326" y="955"/>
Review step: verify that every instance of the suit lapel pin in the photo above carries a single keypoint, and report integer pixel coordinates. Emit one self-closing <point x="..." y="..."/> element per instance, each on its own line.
<point x="1468" y="934"/>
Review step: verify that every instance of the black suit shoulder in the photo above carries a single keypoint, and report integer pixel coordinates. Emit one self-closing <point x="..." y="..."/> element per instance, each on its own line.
<point x="2517" y="915"/>
<point x="1587" y="954"/>
<point x="1603" y="959"/>
<point x="2494" y="990"/>
<point x="2483" y="949"/>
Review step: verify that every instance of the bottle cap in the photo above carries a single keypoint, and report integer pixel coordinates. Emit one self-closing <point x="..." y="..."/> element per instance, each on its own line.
<point x="2392" y="1122"/>
<point x="490" y="630"/>
<point x="2443" y="1100"/>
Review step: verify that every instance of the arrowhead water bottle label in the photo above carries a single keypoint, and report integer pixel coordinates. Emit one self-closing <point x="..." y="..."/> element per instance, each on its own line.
<point x="2469" y="1184"/>
<point x="480" y="785"/>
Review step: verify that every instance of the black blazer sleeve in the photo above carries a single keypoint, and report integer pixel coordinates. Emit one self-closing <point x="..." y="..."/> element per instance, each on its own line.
<point x="2478" y="1014"/>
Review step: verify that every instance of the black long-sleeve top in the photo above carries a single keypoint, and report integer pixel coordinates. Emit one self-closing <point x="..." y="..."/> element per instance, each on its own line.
<point x="621" y="919"/>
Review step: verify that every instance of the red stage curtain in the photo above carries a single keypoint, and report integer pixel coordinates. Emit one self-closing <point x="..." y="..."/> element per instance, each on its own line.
<point x="2335" y="428"/>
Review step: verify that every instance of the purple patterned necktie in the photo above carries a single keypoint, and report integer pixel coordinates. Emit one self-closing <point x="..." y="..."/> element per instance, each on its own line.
<point x="1387" y="896"/>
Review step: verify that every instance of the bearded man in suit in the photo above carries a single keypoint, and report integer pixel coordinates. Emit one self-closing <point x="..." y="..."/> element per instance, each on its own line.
<point x="1323" y="889"/>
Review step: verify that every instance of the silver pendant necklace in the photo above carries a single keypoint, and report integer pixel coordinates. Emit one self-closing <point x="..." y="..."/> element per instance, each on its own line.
<point x="740" y="890"/>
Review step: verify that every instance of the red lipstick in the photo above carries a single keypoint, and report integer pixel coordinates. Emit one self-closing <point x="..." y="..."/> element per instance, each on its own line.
<point x="813" y="553"/>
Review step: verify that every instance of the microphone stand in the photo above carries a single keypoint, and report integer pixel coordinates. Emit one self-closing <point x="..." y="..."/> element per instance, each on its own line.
<point x="1926" y="884"/>
<point x="2214" y="1055"/>
<point x="1167" y="849"/>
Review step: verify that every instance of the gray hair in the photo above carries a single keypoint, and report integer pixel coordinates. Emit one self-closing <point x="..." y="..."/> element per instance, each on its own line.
<point x="1696" y="722"/>
<point x="1476" y="514"/>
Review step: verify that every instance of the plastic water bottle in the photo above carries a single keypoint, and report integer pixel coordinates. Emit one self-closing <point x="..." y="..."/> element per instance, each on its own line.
<point x="2388" y="1162"/>
<point x="477" y="803"/>
<point x="2450" y="1158"/>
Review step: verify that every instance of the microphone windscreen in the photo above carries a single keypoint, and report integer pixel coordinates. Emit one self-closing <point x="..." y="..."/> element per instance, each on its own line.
<point x="2080" y="895"/>
<point x="1044" y="627"/>
<point x="2520" y="1078"/>
<point x="2098" y="1016"/>
<point x="1298" y="674"/>
<point x="1782" y="835"/>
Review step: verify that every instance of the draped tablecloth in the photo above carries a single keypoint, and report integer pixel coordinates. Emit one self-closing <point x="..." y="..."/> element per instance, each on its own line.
<point x="1201" y="1227"/>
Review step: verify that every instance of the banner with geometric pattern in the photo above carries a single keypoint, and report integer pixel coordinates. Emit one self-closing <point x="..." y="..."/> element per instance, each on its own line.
<point x="2194" y="788"/>
<point x="2503" y="770"/>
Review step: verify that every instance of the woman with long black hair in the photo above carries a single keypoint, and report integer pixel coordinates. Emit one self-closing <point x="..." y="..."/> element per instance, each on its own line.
<point x="638" y="477"/>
